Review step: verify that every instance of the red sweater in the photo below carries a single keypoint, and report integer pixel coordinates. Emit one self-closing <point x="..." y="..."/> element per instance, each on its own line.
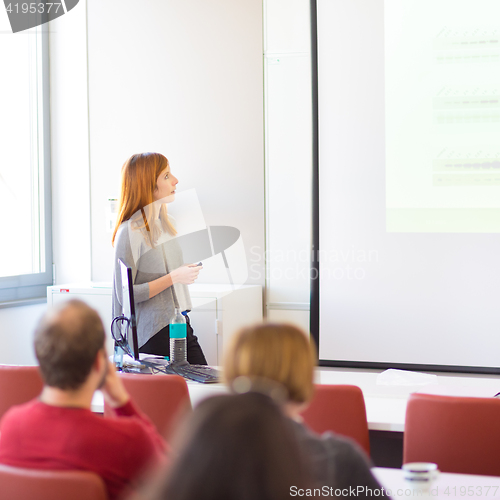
<point x="39" y="436"/>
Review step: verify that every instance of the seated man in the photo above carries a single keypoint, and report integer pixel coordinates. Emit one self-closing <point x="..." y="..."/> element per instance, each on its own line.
<point x="58" y="431"/>
<point x="280" y="359"/>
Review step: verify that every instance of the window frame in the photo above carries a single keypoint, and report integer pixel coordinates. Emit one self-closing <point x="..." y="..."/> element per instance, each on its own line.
<point x="26" y="288"/>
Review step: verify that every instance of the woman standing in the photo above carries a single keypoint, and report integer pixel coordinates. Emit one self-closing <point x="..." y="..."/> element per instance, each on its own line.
<point x="144" y="239"/>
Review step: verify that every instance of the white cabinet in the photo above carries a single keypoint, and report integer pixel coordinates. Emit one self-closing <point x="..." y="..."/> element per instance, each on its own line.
<point x="218" y="311"/>
<point x="96" y="295"/>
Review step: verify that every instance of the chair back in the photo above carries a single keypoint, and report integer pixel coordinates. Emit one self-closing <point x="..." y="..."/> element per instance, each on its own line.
<point x="459" y="434"/>
<point x="29" y="484"/>
<point x="340" y="409"/>
<point x="18" y="385"/>
<point x="161" y="397"/>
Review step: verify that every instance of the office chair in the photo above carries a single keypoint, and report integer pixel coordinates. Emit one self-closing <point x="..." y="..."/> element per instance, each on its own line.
<point x="161" y="397"/>
<point x="459" y="434"/>
<point x="340" y="409"/>
<point x="18" y="385"/>
<point x="28" y="484"/>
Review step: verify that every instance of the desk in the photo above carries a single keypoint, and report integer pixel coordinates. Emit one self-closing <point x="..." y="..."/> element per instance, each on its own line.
<point x="197" y="392"/>
<point x="447" y="486"/>
<point x="385" y="405"/>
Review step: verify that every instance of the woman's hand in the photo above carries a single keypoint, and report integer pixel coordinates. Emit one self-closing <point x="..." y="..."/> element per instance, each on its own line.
<point x="186" y="275"/>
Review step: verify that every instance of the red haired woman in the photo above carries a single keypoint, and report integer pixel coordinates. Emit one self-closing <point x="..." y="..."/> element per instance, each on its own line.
<point x="144" y="239"/>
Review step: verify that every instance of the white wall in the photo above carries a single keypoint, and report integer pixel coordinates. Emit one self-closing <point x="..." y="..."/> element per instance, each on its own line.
<point x="16" y="334"/>
<point x="184" y="79"/>
<point x="288" y="159"/>
<point x="70" y="146"/>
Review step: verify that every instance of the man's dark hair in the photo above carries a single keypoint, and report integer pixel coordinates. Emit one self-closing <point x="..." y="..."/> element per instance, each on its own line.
<point x="67" y="341"/>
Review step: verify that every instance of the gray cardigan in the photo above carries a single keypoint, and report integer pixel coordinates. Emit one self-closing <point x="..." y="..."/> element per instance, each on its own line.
<point x="337" y="462"/>
<point x="148" y="264"/>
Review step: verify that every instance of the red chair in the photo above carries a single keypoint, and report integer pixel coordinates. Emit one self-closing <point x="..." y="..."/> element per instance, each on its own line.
<point x="340" y="409"/>
<point x="459" y="434"/>
<point x="161" y="397"/>
<point x="18" y="384"/>
<point x="30" y="484"/>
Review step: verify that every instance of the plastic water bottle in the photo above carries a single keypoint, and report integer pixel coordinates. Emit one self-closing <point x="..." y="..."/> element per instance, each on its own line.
<point x="178" y="334"/>
<point x="118" y="357"/>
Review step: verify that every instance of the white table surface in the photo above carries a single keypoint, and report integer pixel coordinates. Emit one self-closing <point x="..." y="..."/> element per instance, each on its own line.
<point x="446" y="486"/>
<point x="197" y="392"/>
<point x="385" y="405"/>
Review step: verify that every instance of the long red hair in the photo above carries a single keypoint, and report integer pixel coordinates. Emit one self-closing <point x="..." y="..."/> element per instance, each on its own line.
<point x="139" y="175"/>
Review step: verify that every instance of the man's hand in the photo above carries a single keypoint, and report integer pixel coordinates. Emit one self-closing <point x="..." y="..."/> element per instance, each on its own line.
<point x="113" y="389"/>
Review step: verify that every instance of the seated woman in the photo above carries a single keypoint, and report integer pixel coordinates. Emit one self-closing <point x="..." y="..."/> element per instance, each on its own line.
<point x="284" y="355"/>
<point x="237" y="447"/>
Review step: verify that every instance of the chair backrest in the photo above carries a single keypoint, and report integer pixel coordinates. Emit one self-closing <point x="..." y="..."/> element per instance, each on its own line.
<point x="340" y="409"/>
<point x="18" y="385"/>
<point x="161" y="397"/>
<point x="459" y="434"/>
<point x="29" y="484"/>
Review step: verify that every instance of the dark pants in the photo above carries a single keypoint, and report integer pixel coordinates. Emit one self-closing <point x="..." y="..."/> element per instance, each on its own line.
<point x="159" y="345"/>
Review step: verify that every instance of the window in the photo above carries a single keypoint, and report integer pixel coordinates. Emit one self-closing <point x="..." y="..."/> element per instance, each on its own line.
<point x="25" y="204"/>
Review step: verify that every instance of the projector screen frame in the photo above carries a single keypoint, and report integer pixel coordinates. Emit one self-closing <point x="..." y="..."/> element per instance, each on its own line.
<point x="315" y="264"/>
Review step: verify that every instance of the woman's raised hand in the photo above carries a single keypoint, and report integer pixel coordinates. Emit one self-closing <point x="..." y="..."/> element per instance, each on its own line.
<point x="186" y="275"/>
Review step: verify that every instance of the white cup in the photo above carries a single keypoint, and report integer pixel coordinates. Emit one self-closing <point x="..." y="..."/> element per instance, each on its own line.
<point x="420" y="473"/>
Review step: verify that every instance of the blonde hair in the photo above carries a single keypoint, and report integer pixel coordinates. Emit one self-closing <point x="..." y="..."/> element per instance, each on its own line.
<point x="138" y="183"/>
<point x="278" y="352"/>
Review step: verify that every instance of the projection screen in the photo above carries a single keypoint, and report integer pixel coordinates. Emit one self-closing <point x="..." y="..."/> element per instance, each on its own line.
<point x="407" y="225"/>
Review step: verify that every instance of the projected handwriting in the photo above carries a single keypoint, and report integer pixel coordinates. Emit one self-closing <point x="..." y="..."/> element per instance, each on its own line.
<point x="464" y="45"/>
